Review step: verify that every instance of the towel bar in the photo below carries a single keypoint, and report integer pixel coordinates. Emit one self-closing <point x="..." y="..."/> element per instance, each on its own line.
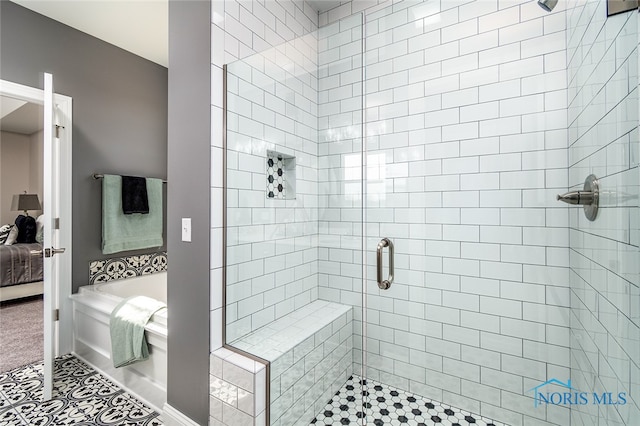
<point x="100" y="176"/>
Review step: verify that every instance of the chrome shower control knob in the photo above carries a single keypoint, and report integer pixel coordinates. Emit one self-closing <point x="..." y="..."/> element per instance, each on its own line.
<point x="588" y="197"/>
<point x="584" y="198"/>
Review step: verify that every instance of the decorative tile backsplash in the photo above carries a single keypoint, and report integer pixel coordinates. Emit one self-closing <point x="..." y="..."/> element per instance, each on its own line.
<point x="126" y="267"/>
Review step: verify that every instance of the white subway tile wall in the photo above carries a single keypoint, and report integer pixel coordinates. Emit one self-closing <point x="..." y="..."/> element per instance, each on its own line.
<point x="466" y="148"/>
<point x="272" y="114"/>
<point x="476" y="113"/>
<point x="603" y="139"/>
<point x="340" y="167"/>
<point x="276" y="111"/>
<point x="275" y="106"/>
<point x="237" y="390"/>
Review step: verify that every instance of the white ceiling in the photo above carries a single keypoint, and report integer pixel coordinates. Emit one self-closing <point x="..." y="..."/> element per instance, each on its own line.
<point x="138" y="26"/>
<point x="8" y="105"/>
<point x="19" y="116"/>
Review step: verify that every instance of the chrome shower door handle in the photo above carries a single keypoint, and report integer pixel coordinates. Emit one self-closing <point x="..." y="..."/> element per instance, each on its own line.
<point x="384" y="284"/>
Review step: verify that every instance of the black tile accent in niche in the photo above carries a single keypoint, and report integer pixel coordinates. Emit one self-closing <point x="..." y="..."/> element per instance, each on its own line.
<point x="280" y="176"/>
<point x="275" y="177"/>
<point x="385" y="405"/>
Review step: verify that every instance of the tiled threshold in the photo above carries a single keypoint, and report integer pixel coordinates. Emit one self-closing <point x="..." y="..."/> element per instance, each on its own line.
<point x="80" y="396"/>
<point x="385" y="405"/>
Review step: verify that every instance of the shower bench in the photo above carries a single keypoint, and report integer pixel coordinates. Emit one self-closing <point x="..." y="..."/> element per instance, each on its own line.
<point x="310" y="352"/>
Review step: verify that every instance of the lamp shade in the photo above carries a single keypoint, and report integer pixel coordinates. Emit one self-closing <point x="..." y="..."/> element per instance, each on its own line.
<point x="25" y="202"/>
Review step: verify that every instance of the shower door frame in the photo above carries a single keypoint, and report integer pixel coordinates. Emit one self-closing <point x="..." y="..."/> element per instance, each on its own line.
<point x="225" y="345"/>
<point x="363" y="264"/>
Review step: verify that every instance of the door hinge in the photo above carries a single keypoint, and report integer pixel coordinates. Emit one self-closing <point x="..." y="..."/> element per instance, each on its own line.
<point x="58" y="127"/>
<point x="56" y="315"/>
<point x="56" y="223"/>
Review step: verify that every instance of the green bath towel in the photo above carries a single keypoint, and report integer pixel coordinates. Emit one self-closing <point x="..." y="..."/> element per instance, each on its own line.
<point x="126" y="325"/>
<point x="122" y="232"/>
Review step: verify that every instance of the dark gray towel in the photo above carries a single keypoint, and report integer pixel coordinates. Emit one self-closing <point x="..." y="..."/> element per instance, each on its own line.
<point x="134" y="195"/>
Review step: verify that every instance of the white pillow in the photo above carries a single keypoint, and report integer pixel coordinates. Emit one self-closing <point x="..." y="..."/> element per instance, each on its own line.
<point x="13" y="236"/>
<point x="40" y="229"/>
<point x="4" y="232"/>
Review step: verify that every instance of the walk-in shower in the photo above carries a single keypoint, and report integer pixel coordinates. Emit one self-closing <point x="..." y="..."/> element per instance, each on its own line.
<point x="395" y="249"/>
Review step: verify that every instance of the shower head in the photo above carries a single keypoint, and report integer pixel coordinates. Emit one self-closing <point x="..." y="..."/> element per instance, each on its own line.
<point x="547" y="5"/>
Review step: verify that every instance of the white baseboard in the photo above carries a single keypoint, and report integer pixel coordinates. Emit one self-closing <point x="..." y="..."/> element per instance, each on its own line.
<point x="173" y="417"/>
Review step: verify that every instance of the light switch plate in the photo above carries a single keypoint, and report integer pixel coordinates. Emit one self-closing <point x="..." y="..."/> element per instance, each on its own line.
<point x="186" y="229"/>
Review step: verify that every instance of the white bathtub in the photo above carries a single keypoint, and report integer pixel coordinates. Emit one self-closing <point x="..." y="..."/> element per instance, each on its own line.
<point x="92" y="307"/>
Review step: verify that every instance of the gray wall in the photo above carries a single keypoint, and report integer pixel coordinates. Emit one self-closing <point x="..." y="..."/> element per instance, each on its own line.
<point x="189" y="189"/>
<point x="119" y="111"/>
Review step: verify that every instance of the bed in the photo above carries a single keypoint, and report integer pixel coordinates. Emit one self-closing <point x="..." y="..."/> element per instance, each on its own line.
<point x="20" y="271"/>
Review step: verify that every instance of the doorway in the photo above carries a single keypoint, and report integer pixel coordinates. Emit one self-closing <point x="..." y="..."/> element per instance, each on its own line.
<point x="21" y="185"/>
<point x="43" y="278"/>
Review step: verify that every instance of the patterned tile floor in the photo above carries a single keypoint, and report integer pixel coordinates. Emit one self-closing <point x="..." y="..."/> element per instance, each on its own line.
<point x="81" y="396"/>
<point x="386" y="405"/>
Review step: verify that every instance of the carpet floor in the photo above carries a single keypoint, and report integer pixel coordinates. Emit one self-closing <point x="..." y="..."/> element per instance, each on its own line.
<point x="21" y="333"/>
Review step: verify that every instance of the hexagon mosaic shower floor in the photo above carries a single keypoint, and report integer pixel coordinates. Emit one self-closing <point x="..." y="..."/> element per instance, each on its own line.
<point x="81" y="396"/>
<point x="390" y="406"/>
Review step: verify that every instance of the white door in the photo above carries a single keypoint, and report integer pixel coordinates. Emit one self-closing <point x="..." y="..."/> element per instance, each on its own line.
<point x="50" y="287"/>
<point x="52" y="249"/>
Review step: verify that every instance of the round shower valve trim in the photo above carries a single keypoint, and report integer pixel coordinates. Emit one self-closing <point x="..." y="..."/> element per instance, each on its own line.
<point x="589" y="197"/>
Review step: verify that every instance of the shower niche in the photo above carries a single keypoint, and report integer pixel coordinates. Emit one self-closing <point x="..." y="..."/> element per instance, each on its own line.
<point x="281" y="176"/>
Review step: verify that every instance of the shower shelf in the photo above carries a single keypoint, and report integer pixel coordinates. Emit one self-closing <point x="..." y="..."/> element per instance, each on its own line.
<point x="281" y="176"/>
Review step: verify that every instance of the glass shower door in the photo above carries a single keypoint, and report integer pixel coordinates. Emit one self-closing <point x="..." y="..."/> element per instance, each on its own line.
<point x="293" y="226"/>
<point x="506" y="305"/>
<point x="341" y="188"/>
<point x="410" y="269"/>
